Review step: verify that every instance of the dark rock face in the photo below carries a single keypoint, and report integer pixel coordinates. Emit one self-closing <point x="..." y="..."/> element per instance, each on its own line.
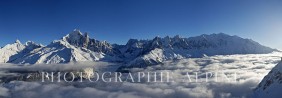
<point x="76" y="38"/>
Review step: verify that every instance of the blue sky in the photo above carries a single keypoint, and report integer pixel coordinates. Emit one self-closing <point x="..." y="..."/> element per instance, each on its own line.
<point x="116" y="21"/>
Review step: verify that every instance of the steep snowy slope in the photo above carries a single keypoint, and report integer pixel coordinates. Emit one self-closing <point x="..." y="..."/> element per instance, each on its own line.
<point x="16" y="50"/>
<point x="59" y="52"/>
<point x="11" y="49"/>
<point x="71" y="48"/>
<point x="271" y="85"/>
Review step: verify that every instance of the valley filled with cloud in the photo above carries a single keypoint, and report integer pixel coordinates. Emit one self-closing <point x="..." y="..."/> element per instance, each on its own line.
<point x="220" y="76"/>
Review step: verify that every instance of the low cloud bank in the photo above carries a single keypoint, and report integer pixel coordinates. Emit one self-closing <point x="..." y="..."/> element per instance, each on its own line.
<point x="53" y="67"/>
<point x="250" y="69"/>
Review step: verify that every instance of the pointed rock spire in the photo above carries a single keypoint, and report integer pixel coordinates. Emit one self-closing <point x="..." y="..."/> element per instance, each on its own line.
<point x="76" y="32"/>
<point x="177" y="36"/>
<point x="18" y="41"/>
<point x="86" y="40"/>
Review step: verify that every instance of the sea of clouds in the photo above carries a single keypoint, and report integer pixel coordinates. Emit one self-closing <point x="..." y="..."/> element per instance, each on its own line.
<point x="250" y="69"/>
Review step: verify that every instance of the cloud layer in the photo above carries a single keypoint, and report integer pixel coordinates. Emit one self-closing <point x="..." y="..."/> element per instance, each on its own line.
<point x="250" y="69"/>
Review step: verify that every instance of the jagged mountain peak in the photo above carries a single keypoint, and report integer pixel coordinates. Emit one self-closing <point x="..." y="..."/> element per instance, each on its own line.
<point x="132" y="41"/>
<point x="73" y="36"/>
<point x="17" y="45"/>
<point x="168" y="37"/>
<point x="77" y="31"/>
<point x="214" y="35"/>
<point x="18" y="41"/>
<point x="9" y="50"/>
<point x="77" y="39"/>
<point x="31" y="43"/>
<point x="86" y="35"/>
<point x="177" y="37"/>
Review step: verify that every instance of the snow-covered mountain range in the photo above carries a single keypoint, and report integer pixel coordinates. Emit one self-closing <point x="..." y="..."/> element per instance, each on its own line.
<point x="76" y="46"/>
<point x="17" y="50"/>
<point x="147" y="52"/>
